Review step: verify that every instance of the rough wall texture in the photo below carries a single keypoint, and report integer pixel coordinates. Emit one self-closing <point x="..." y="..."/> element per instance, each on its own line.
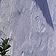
<point x="24" y="23"/>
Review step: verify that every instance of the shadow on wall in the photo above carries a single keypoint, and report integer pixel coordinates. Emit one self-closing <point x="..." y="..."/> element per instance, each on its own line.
<point x="43" y="5"/>
<point x="0" y="0"/>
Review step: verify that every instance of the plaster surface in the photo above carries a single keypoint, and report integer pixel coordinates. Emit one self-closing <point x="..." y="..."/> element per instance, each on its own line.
<point x="31" y="29"/>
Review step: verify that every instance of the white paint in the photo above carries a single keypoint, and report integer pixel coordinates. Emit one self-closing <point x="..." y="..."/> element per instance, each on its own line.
<point x="0" y="19"/>
<point x="42" y="48"/>
<point x="43" y="30"/>
<point x="10" y="34"/>
<point x="33" y="12"/>
<point x="32" y="5"/>
<point x="11" y="49"/>
<point x="23" y="54"/>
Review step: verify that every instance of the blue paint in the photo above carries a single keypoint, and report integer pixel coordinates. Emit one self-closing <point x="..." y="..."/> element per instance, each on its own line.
<point x="45" y="10"/>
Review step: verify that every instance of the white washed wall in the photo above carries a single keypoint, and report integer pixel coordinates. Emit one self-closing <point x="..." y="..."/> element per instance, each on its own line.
<point x="23" y="22"/>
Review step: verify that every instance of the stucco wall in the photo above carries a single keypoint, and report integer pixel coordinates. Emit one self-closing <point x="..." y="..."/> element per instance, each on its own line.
<point x="24" y="23"/>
